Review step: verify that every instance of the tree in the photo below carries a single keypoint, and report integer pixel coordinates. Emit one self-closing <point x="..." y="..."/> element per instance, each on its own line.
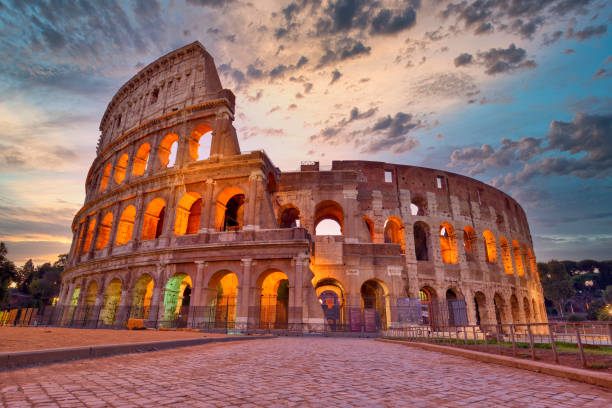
<point x="607" y="294"/>
<point x="46" y="281"/>
<point x="557" y="284"/>
<point x="7" y="273"/>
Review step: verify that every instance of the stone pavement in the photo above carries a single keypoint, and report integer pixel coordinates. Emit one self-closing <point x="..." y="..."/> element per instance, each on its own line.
<point x="316" y="372"/>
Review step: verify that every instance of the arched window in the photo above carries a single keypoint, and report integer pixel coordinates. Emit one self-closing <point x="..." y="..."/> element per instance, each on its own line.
<point x="518" y="258"/>
<point x="418" y="206"/>
<point x="105" y="176"/>
<point x="141" y="160"/>
<point x="199" y="143"/>
<point x="120" y="168"/>
<point x="153" y="222"/>
<point x="188" y="214"/>
<point x="448" y="243"/>
<point x="289" y="217"/>
<point x="229" y="212"/>
<point x="167" y="150"/>
<point x="329" y="218"/>
<point x="506" y="255"/>
<point x="469" y="239"/>
<point x="421" y="240"/>
<point x="490" y="246"/>
<point x="394" y="232"/>
<point x="126" y="225"/>
<point x="104" y="231"/>
<point x="89" y="235"/>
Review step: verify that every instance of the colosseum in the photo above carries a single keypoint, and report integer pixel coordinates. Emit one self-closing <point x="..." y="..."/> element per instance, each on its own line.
<point x="181" y="229"/>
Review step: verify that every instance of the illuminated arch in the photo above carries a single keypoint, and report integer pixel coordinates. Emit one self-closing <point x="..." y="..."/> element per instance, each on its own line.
<point x="167" y="147"/>
<point x="153" y="221"/>
<point x="394" y="232"/>
<point x="469" y="239"/>
<point x="223" y="285"/>
<point x="141" y="297"/>
<point x="370" y="227"/>
<point x="448" y="243"/>
<point x="104" y="231"/>
<point x="490" y="246"/>
<point x="274" y="302"/>
<point x="91" y="294"/>
<point x="120" y="168"/>
<point x="188" y="214"/>
<point x="374" y="297"/>
<point x="177" y="296"/>
<point x="105" y="176"/>
<point x="126" y="225"/>
<point x="506" y="255"/>
<point x="518" y="258"/>
<point x="112" y="299"/>
<point x="141" y="160"/>
<point x="330" y="293"/>
<point x="229" y="210"/>
<point x="89" y="236"/>
<point x="200" y="149"/>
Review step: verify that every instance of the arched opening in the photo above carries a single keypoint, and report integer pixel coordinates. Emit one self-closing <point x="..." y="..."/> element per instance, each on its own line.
<point x="418" y="206"/>
<point x="394" y="232"/>
<point x="104" y="231"/>
<point x="91" y="294"/>
<point x="224" y="285"/>
<point x="518" y="258"/>
<point x="229" y="212"/>
<point x="188" y="214"/>
<point x="177" y="297"/>
<point x="374" y="305"/>
<point x="536" y="314"/>
<point x="421" y="239"/>
<point x="500" y="307"/>
<point x="105" y="176"/>
<point x="289" y="217"/>
<point x="490" y="246"/>
<point x="469" y="242"/>
<point x="427" y="296"/>
<point x="141" y="160"/>
<point x="506" y="256"/>
<point x="448" y="243"/>
<point x="533" y="266"/>
<point x="89" y="236"/>
<point x="74" y="300"/>
<point x="274" y="303"/>
<point x="527" y="310"/>
<point x="120" y="168"/>
<point x="167" y="150"/>
<point x="456" y="309"/>
<point x="480" y="304"/>
<point x="141" y="298"/>
<point x="514" y="308"/>
<point x="329" y="218"/>
<point x="112" y="299"/>
<point x="370" y="226"/>
<point x="331" y="297"/>
<point x="153" y="222"/>
<point x="199" y="143"/>
<point x="126" y="225"/>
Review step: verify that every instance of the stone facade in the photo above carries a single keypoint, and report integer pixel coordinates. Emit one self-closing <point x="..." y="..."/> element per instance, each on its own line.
<point x="164" y="221"/>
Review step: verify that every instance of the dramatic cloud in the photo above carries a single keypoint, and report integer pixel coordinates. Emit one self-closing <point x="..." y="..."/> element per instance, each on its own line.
<point x="500" y="60"/>
<point x="587" y="32"/>
<point x="463" y="59"/>
<point x="391" y="133"/>
<point x="327" y="135"/>
<point x="343" y="49"/>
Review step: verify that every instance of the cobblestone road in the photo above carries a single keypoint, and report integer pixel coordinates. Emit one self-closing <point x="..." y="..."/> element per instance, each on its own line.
<point x="314" y="372"/>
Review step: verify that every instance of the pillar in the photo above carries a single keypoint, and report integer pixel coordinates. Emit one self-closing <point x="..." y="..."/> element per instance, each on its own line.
<point x="208" y="206"/>
<point x="94" y="238"/>
<point x="244" y="293"/>
<point x="251" y="200"/>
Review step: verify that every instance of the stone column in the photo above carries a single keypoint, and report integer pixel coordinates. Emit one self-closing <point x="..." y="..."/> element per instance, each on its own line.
<point x="159" y="292"/>
<point x="131" y="159"/>
<point x="153" y="162"/>
<point x="251" y="200"/>
<point x="208" y="206"/>
<point x="244" y="293"/>
<point x="140" y="212"/>
<point x="168" y="230"/>
<point x="350" y="229"/>
<point x="112" y="238"/>
<point x="296" y="314"/>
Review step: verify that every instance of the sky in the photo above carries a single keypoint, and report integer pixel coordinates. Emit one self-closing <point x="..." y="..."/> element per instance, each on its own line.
<point x="515" y="93"/>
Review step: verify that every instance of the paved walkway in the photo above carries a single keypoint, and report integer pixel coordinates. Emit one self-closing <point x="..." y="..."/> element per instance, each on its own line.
<point x="316" y="372"/>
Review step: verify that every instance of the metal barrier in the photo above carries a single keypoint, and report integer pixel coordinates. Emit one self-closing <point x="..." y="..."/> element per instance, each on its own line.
<point x="588" y="344"/>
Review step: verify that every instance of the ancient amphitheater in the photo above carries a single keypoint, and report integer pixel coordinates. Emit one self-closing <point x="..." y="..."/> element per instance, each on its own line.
<point x="181" y="228"/>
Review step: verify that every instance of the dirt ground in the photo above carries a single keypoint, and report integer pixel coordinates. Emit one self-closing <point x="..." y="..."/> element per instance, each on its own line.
<point x="39" y="338"/>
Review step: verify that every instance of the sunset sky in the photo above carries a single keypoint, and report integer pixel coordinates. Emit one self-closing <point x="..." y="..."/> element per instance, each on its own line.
<point x="516" y="93"/>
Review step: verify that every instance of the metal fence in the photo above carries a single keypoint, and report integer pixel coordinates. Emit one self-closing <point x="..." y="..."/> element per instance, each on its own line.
<point x="586" y="344"/>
